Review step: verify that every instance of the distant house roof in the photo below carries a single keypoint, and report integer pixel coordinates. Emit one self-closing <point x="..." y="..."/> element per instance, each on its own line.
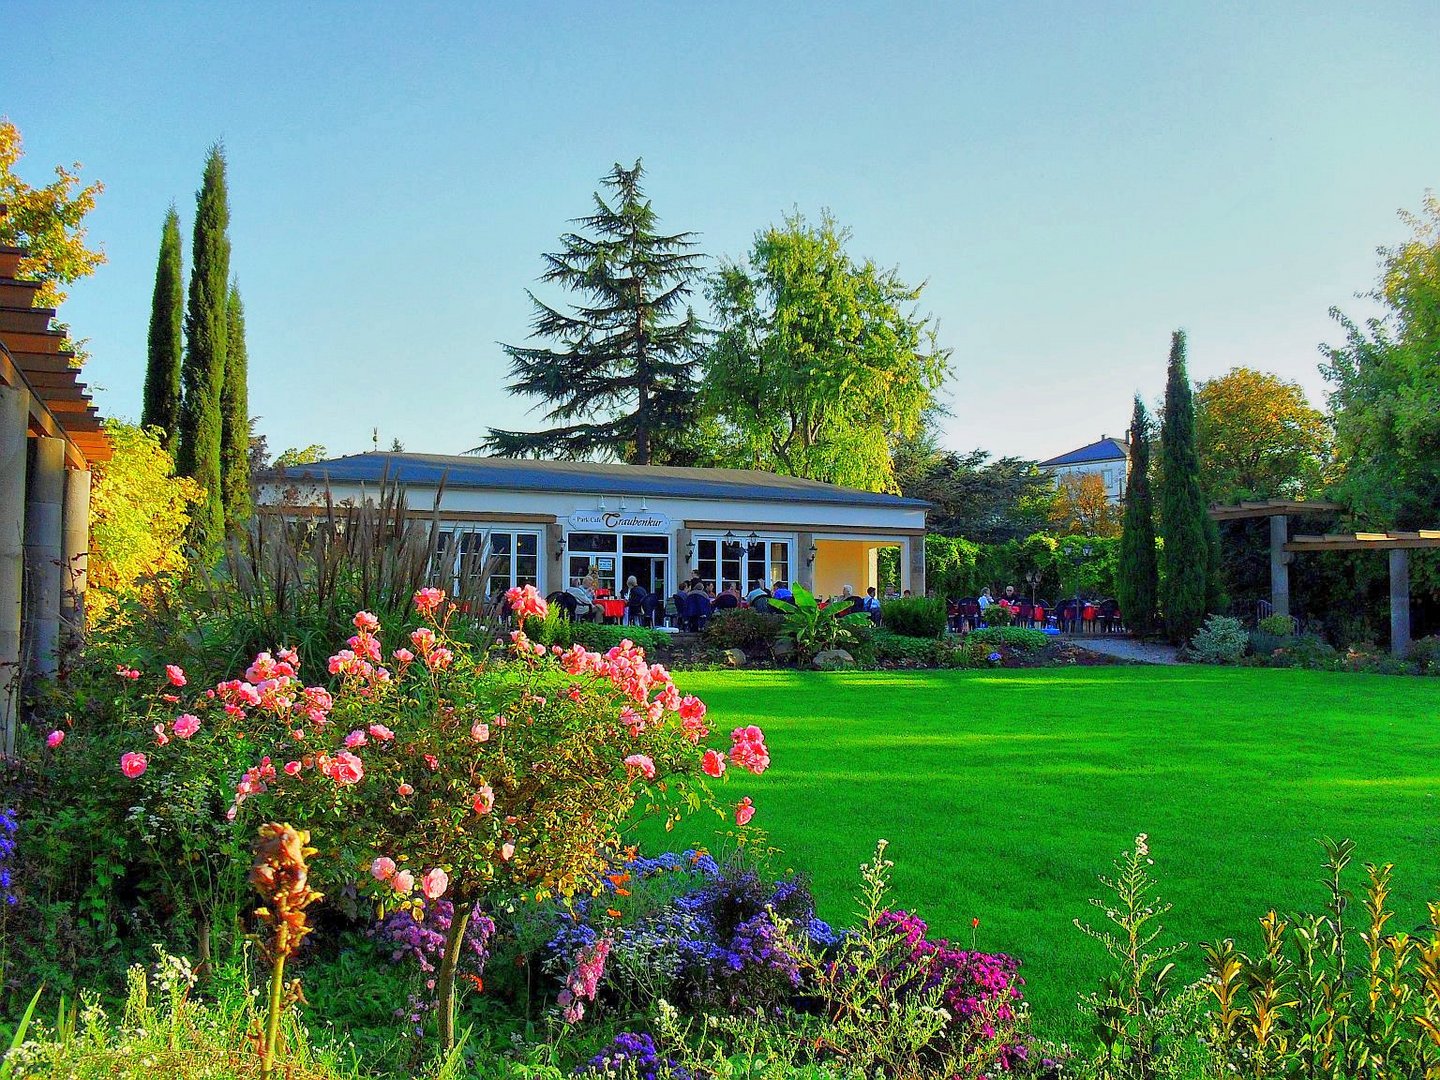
<point x="1107" y="449"/>
<point x="589" y="477"/>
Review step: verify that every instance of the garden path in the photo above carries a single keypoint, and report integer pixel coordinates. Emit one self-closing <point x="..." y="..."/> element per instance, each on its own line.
<point x="1124" y="648"/>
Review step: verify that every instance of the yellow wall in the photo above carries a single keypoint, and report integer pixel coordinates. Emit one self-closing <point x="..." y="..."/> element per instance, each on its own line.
<point x="844" y="562"/>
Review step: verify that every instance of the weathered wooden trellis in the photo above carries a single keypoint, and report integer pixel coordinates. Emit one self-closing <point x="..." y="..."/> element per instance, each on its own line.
<point x="1284" y="548"/>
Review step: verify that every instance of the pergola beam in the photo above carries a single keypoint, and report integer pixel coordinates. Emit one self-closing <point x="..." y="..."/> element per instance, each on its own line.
<point x="1272" y="507"/>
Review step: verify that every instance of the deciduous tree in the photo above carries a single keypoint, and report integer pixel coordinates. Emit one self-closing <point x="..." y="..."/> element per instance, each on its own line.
<point x="207" y="334"/>
<point x="1137" y="581"/>
<point x="1082" y="507"/>
<point x="48" y="222"/>
<point x="820" y="364"/>
<point x="1386" y="397"/>
<point x="970" y="495"/>
<point x="621" y="379"/>
<point x="161" y="407"/>
<point x="1257" y="437"/>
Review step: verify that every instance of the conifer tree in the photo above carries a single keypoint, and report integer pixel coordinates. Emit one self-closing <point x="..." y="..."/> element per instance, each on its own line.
<point x="620" y="381"/>
<point x="235" y="419"/>
<point x="1186" y="557"/>
<point x="1137" y="583"/>
<point x="206" y="334"/>
<point x="161" y="406"/>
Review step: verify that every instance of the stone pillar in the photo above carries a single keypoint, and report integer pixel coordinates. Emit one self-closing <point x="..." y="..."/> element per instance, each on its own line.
<point x="804" y="561"/>
<point x="915" y="552"/>
<point x="44" y="549"/>
<point x="1399" y="601"/>
<point x="552" y="569"/>
<point x="1280" y="560"/>
<point x="684" y="561"/>
<point x="75" y="573"/>
<point x="14" y="424"/>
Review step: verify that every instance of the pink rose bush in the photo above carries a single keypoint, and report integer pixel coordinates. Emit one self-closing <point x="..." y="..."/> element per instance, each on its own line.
<point x="460" y="771"/>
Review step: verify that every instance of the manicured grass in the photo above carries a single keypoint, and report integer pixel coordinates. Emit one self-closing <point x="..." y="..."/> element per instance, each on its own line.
<point x="1004" y="793"/>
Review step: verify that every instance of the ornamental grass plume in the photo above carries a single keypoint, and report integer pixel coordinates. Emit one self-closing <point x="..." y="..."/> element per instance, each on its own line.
<point x="282" y="878"/>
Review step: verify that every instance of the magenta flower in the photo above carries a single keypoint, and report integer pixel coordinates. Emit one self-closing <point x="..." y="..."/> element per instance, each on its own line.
<point x="434" y="883"/>
<point x="175" y="675"/>
<point x="744" y="811"/>
<point x="133" y="764"/>
<point x="55" y="738"/>
<point x="186" y="725"/>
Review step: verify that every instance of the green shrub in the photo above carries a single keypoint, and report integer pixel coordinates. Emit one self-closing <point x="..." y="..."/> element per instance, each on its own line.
<point x="814" y="629"/>
<point x="741" y="628"/>
<point x="915" y="616"/>
<point x="1426" y="654"/>
<point x="556" y="629"/>
<point x="1222" y="640"/>
<point x="1278" y="625"/>
<point x="1306" y="651"/>
<point x="1020" y="638"/>
<point x="996" y="615"/>
<point x="1264" y="644"/>
<point x="902" y="648"/>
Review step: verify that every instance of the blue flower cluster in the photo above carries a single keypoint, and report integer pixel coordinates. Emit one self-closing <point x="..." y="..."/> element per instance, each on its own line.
<point x="8" y="827"/>
<point x="633" y="1054"/>
<point x="715" y="942"/>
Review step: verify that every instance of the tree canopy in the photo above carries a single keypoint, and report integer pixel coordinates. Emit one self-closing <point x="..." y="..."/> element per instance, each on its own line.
<point x="48" y="222"/>
<point x="1257" y="437"/>
<point x="1188" y="558"/>
<point x="621" y="381"/>
<point x="972" y="496"/>
<point x="819" y="363"/>
<point x="1137" y="579"/>
<point x="165" y="344"/>
<point x="1386" y="379"/>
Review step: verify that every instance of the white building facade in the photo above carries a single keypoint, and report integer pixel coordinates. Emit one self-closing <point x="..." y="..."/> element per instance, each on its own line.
<point x="1109" y="459"/>
<point x="548" y="523"/>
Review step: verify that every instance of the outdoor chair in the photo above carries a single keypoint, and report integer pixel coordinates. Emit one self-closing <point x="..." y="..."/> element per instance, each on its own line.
<point x="565" y="602"/>
<point x="1108" y="615"/>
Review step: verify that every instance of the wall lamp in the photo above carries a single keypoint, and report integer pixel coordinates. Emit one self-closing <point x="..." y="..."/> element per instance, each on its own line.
<point x="559" y="549"/>
<point x="689" y="550"/>
<point x="810" y="555"/>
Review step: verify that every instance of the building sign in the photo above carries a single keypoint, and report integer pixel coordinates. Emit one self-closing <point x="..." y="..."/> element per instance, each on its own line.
<point x="644" y="521"/>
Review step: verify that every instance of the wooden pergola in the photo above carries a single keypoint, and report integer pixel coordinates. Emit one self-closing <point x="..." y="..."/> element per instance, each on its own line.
<point x="1283" y="550"/>
<point x="50" y="435"/>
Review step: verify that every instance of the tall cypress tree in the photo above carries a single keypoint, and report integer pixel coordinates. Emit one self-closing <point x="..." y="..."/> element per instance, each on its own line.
<point x="621" y="380"/>
<point x="1186" y="557"/>
<point x="206" y="334"/>
<point x="1137" y="584"/>
<point x="235" y="419"/>
<point x="161" y="407"/>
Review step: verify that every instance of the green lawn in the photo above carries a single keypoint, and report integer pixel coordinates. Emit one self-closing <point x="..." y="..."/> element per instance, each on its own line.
<point x="1003" y="793"/>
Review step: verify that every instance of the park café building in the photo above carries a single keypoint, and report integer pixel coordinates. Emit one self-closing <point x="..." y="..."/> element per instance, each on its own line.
<point x="549" y="522"/>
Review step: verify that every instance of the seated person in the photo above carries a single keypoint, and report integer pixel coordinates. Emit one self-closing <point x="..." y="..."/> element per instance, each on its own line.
<point x="870" y="605"/>
<point x="700" y="609"/>
<point x="635" y="597"/>
<point x="782" y="592"/>
<point x="757" y="590"/>
<point x="584" y="600"/>
<point x="730" y="598"/>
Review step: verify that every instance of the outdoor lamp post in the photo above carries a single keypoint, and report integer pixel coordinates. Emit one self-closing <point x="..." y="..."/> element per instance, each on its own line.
<point x="1079" y="566"/>
<point x="1032" y="578"/>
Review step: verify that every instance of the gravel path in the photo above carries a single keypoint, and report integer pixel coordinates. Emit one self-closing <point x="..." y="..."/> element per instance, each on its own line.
<point x="1124" y="648"/>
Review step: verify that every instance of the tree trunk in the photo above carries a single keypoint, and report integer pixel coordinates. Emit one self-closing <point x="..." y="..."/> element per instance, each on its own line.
<point x="445" y="978"/>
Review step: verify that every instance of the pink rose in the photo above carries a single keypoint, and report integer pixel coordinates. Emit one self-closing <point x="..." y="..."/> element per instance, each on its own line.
<point x="354" y="739"/>
<point x="439" y="659"/>
<point x="404" y="790"/>
<point x="403" y="656"/>
<point x="175" y="675"/>
<point x="484" y="799"/>
<point x="160" y="737"/>
<point x="713" y="763"/>
<point x="434" y="883"/>
<point x="55" y="738"/>
<point x="345" y="769"/>
<point x="748" y="749"/>
<point x="292" y="768"/>
<point x="382" y="869"/>
<point x="480" y="732"/>
<point x="403" y="882"/>
<point x="427" y="600"/>
<point x="381" y="732"/>
<point x="744" y="811"/>
<point x="641" y="763"/>
<point x="507" y="851"/>
<point x="365" y="621"/>
<point x="133" y="764"/>
<point x="186" y="725"/>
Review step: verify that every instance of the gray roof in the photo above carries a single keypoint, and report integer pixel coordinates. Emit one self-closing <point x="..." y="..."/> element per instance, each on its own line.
<point x="590" y="478"/>
<point x="1106" y="449"/>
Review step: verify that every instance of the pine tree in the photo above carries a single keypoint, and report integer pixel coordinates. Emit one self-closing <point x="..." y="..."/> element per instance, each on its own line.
<point x="161" y="407"/>
<point x="1186" y="557"/>
<point x="206" y="333"/>
<point x="621" y="380"/>
<point x="235" y="421"/>
<point x="1137" y="582"/>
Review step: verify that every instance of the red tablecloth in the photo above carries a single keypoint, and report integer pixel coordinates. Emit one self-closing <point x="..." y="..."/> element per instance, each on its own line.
<point x="613" y="608"/>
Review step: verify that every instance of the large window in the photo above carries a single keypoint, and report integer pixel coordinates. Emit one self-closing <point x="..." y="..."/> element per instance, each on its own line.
<point x="611" y="560"/>
<point x="721" y="560"/>
<point x="494" y="560"/>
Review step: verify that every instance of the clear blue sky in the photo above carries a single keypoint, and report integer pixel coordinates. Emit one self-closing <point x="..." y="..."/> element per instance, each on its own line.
<point x="1073" y="180"/>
